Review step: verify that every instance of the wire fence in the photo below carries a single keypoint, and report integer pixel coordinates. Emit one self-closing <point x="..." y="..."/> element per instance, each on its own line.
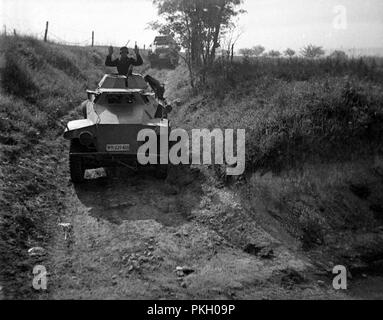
<point x="9" y="30"/>
<point x="89" y="39"/>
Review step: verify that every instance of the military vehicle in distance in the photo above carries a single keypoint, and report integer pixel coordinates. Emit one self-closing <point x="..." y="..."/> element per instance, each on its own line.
<point x="164" y="52"/>
<point x="113" y="115"/>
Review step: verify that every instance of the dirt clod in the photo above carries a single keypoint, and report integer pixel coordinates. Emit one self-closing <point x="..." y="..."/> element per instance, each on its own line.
<point x="184" y="271"/>
<point x="290" y="277"/>
<point x="259" y="251"/>
<point x="36" y="251"/>
<point x="360" y="190"/>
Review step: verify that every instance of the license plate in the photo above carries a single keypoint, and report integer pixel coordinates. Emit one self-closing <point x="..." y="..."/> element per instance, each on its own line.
<point x="117" y="147"/>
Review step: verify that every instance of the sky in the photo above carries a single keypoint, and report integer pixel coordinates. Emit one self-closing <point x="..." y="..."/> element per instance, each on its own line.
<point x="275" y="24"/>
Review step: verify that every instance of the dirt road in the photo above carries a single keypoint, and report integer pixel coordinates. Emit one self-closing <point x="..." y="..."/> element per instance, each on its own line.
<point x="131" y="232"/>
<point x="188" y="237"/>
<point x="136" y="237"/>
<point x="133" y="236"/>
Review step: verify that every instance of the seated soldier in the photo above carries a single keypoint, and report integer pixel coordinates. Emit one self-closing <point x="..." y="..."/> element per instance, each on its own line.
<point x="124" y="63"/>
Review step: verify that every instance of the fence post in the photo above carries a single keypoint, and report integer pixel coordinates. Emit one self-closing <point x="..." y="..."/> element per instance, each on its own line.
<point x="14" y="32"/>
<point x="92" y="38"/>
<point x="46" y="32"/>
<point x="5" y="30"/>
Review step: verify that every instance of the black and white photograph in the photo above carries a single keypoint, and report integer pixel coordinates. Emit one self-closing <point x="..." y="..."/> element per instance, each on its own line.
<point x="191" y="150"/>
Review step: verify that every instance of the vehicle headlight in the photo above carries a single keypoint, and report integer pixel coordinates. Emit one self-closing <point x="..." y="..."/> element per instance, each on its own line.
<point x="86" y="138"/>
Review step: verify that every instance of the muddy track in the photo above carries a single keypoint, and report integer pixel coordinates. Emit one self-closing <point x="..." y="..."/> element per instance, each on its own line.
<point x="133" y="236"/>
<point x="132" y="231"/>
<point x="189" y="237"/>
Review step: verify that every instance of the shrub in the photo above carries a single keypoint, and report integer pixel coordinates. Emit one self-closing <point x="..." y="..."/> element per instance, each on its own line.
<point x="16" y="79"/>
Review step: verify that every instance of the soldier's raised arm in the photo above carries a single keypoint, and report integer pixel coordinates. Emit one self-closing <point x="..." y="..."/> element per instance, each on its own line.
<point x="109" y="62"/>
<point x="138" y="61"/>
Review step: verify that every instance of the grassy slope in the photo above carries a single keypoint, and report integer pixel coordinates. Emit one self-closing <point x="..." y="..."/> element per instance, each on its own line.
<point x="313" y="149"/>
<point x="40" y="83"/>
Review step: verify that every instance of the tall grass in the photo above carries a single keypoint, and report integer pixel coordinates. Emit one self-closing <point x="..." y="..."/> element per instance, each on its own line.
<point x="296" y="110"/>
<point x="295" y="69"/>
<point x="41" y="82"/>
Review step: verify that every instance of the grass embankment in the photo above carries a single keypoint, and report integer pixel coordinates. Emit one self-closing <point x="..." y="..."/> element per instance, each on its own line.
<point x="40" y="83"/>
<point x="314" y="132"/>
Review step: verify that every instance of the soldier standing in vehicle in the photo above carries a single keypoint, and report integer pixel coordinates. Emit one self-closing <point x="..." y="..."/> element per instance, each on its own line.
<point x="124" y="63"/>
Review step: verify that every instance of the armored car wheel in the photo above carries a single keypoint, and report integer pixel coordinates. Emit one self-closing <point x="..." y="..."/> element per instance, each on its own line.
<point x="76" y="166"/>
<point x="173" y="63"/>
<point x="161" y="171"/>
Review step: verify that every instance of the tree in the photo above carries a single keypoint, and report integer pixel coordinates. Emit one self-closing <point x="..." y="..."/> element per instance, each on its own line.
<point x="258" y="50"/>
<point x="247" y="52"/>
<point x="312" y="52"/>
<point x="339" y="55"/>
<point x="198" y="26"/>
<point x="229" y="40"/>
<point x="274" y="54"/>
<point x="289" y="53"/>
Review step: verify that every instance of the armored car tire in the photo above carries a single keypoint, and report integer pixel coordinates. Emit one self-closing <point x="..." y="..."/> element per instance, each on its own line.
<point x="76" y="165"/>
<point x="173" y="63"/>
<point x="161" y="171"/>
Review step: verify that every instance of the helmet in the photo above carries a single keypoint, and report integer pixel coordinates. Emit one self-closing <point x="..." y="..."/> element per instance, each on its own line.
<point x="124" y="49"/>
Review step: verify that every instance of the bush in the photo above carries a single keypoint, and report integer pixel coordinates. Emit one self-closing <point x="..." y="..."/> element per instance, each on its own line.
<point x="16" y="78"/>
